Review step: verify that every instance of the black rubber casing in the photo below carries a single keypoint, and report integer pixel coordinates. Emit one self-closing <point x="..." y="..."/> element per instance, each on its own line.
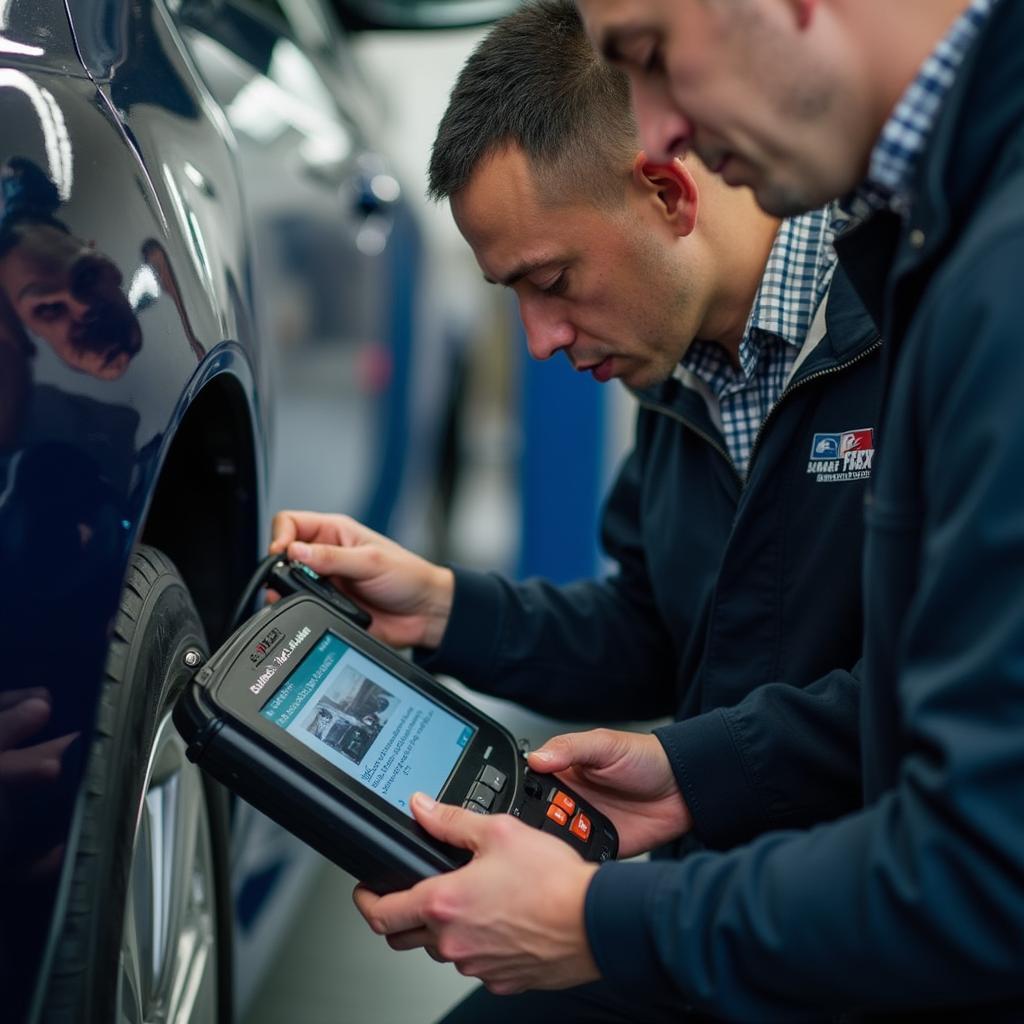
<point x="219" y="717"/>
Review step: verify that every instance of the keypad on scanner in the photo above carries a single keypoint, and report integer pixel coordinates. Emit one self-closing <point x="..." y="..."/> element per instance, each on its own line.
<point x="481" y="795"/>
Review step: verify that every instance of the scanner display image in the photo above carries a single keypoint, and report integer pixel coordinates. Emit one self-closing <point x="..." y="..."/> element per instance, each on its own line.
<point x="330" y="732"/>
<point x="372" y="726"/>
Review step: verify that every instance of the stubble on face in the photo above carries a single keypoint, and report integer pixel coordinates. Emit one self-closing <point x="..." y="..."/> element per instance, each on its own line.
<point x="636" y="292"/>
<point x="807" y="119"/>
<point x="667" y="302"/>
<point x="781" y="112"/>
<point x="763" y="103"/>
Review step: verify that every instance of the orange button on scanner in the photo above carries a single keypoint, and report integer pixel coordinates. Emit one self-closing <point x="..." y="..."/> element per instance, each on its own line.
<point x="564" y="801"/>
<point x="580" y="827"/>
<point x="556" y="814"/>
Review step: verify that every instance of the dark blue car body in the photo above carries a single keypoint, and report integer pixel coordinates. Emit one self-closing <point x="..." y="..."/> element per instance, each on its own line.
<point x="178" y="223"/>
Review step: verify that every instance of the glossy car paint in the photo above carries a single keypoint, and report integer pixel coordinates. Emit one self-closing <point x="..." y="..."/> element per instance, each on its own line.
<point x="114" y="104"/>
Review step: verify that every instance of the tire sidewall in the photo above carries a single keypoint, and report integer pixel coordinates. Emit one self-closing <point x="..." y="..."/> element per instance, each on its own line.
<point x="156" y="624"/>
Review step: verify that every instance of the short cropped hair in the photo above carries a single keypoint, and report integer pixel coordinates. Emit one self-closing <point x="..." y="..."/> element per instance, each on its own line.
<point x="536" y="83"/>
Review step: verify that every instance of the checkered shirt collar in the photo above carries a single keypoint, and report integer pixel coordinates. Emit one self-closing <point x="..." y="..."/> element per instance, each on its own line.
<point x="795" y="279"/>
<point x="894" y="158"/>
<point x="796" y="276"/>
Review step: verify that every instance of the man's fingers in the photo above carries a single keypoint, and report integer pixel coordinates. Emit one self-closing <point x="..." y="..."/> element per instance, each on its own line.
<point x="40" y="763"/>
<point x="57" y="746"/>
<point x="365" y="900"/>
<point x="282" y="532"/>
<point x="452" y="825"/>
<point x="20" y="766"/>
<point x="398" y="911"/>
<point x="357" y="563"/>
<point x="291" y="525"/>
<point x="316" y="527"/>
<point x="12" y="697"/>
<point x="394" y="914"/>
<point x="597" y="748"/>
<point x="414" y="938"/>
<point x="22" y="721"/>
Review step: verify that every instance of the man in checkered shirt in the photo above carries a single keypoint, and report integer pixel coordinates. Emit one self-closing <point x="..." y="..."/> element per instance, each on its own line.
<point x="911" y="906"/>
<point x="737" y="541"/>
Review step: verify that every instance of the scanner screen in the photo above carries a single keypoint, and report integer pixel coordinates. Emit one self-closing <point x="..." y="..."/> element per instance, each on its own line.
<point x="377" y="729"/>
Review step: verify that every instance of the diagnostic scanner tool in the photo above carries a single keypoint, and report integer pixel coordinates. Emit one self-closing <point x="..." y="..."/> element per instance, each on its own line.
<point x="330" y="733"/>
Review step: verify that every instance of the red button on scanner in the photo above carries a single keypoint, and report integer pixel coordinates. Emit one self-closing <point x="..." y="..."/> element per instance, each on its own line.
<point x="580" y="827"/>
<point x="564" y="801"/>
<point x="556" y="814"/>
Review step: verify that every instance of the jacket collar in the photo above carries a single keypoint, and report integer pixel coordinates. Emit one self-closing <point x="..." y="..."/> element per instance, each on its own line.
<point x="850" y="330"/>
<point x="979" y="125"/>
<point x="983" y="112"/>
<point x="905" y="134"/>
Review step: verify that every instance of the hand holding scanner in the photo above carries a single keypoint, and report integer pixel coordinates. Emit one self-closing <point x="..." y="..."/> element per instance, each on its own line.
<point x="330" y="733"/>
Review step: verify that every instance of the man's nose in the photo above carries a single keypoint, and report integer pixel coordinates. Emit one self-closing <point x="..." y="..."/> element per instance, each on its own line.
<point x="547" y="330"/>
<point x="664" y="131"/>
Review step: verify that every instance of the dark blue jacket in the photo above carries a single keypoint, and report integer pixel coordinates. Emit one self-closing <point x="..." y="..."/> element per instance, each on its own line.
<point x="917" y="900"/>
<point x="722" y="586"/>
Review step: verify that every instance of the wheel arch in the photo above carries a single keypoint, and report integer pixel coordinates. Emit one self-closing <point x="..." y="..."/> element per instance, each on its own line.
<point x="206" y="509"/>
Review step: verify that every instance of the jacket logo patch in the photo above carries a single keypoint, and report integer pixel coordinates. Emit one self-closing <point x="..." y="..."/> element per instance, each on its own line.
<point x="843" y="456"/>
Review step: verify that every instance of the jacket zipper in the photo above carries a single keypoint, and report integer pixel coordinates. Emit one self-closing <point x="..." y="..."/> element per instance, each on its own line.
<point x="786" y="392"/>
<point x="799" y="383"/>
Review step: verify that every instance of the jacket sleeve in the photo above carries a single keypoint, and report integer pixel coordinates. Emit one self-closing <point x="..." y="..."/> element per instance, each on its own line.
<point x="785" y="757"/>
<point x="593" y="649"/>
<point x="919" y="897"/>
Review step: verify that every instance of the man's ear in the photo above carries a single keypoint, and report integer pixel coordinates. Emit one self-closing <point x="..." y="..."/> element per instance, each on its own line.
<point x="671" y="185"/>
<point x="805" y="11"/>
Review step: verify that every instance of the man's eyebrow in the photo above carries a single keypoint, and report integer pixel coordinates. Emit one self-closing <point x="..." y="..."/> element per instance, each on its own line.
<point x="518" y="273"/>
<point x="35" y="288"/>
<point x="613" y="38"/>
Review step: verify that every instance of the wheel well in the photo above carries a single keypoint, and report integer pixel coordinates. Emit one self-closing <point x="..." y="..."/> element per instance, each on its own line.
<point x="205" y="511"/>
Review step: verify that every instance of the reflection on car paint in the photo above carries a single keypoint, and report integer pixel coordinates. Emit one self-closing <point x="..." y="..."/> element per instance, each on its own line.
<point x="57" y="288"/>
<point x="70" y="460"/>
<point x="61" y="296"/>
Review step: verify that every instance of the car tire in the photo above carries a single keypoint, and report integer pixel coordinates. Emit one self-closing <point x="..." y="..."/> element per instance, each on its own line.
<point x="146" y="934"/>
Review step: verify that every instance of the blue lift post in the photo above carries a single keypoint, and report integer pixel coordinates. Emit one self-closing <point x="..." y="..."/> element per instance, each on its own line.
<point x="562" y="472"/>
<point x="405" y="253"/>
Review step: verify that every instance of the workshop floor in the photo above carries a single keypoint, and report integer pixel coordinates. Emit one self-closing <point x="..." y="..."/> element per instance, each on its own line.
<point x="334" y="970"/>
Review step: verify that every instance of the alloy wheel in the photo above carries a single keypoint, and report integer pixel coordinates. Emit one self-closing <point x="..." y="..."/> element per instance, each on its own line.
<point x="168" y="960"/>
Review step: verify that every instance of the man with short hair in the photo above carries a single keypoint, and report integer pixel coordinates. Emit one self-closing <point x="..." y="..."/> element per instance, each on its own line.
<point x="915" y="903"/>
<point x="735" y="521"/>
<point x="736" y="566"/>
